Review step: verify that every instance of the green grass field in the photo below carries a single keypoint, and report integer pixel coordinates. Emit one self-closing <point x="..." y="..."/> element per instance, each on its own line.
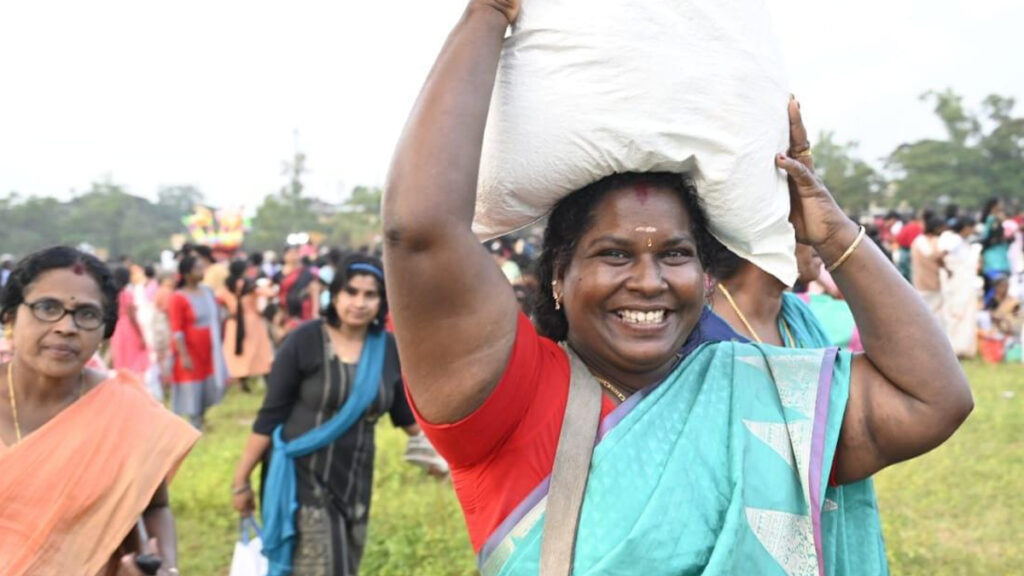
<point x="954" y="511"/>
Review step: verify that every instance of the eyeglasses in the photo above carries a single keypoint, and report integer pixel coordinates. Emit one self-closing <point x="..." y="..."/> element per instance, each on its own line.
<point x="51" y="310"/>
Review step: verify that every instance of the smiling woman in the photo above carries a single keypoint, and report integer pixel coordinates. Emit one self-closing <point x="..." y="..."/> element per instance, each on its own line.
<point x="67" y="485"/>
<point x="331" y="380"/>
<point x="711" y="457"/>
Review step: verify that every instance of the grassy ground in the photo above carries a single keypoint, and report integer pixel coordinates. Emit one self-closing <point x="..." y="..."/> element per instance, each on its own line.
<point x="959" y="509"/>
<point x="954" y="511"/>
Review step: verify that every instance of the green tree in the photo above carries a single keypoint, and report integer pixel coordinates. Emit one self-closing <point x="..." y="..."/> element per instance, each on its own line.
<point x="981" y="156"/>
<point x="358" y="222"/>
<point x="105" y="217"/>
<point x="853" y="182"/>
<point x="285" y="212"/>
<point x="102" y="216"/>
<point x="30" y="223"/>
<point x="179" y="199"/>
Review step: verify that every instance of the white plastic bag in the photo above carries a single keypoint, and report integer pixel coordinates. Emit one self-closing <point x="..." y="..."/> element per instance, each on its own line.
<point x="589" y="88"/>
<point x="248" y="559"/>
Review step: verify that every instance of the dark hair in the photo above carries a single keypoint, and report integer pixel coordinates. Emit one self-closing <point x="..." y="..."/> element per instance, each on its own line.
<point x="203" y="251"/>
<point x="334" y="256"/>
<point x="122" y="277"/>
<point x="149" y="271"/>
<point x="933" y="225"/>
<point x="346" y="272"/>
<point x="573" y="216"/>
<point x="60" y="258"/>
<point x="185" y="265"/>
<point x="987" y="210"/>
<point x="236" y="270"/>
<point x="722" y="263"/>
<point x="237" y="267"/>
<point x="256" y="258"/>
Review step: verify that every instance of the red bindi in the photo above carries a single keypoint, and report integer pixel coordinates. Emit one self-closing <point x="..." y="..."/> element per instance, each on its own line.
<point x="642" y="192"/>
<point x="78" y="269"/>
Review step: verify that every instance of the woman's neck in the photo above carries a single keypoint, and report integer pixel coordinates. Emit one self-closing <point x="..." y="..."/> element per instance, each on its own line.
<point x="350" y="333"/>
<point x="758" y="296"/>
<point x="35" y="390"/>
<point x="626" y="382"/>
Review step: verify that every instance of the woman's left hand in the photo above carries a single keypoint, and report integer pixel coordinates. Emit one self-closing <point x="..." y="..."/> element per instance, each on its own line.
<point x="813" y="212"/>
<point x="128" y="567"/>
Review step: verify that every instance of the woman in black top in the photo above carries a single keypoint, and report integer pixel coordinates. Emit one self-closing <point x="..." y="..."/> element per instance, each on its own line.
<point x="303" y="392"/>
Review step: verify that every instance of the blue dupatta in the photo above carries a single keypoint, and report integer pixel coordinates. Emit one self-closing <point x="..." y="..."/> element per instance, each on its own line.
<point x="280" y="496"/>
<point x="721" y="469"/>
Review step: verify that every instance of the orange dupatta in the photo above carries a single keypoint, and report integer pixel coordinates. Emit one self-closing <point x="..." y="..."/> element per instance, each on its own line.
<point x="72" y="490"/>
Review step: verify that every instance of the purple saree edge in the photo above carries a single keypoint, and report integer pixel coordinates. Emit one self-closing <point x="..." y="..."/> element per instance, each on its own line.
<point x="615" y="416"/>
<point x="821" y="409"/>
<point x="510" y="521"/>
<point x="537" y="494"/>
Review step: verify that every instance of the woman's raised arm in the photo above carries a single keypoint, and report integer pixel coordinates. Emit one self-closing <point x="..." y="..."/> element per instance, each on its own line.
<point x="908" y="393"/>
<point x="453" y="310"/>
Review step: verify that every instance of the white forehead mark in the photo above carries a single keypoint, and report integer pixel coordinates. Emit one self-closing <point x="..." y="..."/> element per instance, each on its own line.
<point x="648" y="229"/>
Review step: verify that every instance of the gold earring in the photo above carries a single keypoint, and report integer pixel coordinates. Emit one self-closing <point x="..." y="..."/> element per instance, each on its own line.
<point x="8" y="332"/>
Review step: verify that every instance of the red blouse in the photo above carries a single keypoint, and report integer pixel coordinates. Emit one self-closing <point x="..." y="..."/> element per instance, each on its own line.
<point x="503" y="450"/>
<point x="182" y="319"/>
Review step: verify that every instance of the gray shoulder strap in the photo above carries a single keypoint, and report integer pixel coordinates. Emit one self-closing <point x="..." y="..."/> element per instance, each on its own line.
<point x="572" y="466"/>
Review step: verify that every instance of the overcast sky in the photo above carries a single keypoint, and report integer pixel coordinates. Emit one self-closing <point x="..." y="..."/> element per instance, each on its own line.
<point x="213" y="93"/>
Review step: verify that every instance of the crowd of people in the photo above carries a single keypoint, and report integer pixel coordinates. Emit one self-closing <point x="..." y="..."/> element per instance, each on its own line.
<point x="312" y="328"/>
<point x="616" y="392"/>
<point x="969" y="270"/>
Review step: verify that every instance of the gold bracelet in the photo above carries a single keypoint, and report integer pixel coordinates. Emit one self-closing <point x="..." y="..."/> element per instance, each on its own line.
<point x="849" y="251"/>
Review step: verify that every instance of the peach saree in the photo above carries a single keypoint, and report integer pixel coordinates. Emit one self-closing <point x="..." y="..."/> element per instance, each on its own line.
<point x="72" y="490"/>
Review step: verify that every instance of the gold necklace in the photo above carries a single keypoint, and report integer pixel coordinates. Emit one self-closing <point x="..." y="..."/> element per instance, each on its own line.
<point x="736" y="309"/>
<point x="14" y="403"/>
<point x="611" y="388"/>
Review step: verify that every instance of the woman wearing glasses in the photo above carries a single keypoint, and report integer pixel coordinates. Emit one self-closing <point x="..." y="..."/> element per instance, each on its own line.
<point x="83" y="454"/>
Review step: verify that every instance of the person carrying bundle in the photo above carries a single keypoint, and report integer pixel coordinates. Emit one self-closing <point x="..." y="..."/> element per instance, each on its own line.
<point x="712" y="458"/>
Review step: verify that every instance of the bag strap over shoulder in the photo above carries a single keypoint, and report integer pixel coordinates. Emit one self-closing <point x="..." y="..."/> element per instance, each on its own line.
<point x="572" y="466"/>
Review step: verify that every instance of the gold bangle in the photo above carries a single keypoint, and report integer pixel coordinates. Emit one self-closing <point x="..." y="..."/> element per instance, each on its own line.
<point x="849" y="251"/>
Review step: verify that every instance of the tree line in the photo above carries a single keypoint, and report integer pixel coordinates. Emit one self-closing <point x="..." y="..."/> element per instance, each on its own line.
<point x="981" y="156"/>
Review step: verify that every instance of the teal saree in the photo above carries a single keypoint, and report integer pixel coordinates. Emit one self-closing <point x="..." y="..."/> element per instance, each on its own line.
<point x="721" y="469"/>
<point x="820" y="321"/>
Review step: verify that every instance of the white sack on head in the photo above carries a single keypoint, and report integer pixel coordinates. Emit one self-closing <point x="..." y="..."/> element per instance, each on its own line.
<point x="589" y="88"/>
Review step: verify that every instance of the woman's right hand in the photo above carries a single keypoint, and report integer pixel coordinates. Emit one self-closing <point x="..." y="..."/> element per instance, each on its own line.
<point x="508" y="8"/>
<point x="186" y="362"/>
<point x="126" y="565"/>
<point x="244" y="503"/>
